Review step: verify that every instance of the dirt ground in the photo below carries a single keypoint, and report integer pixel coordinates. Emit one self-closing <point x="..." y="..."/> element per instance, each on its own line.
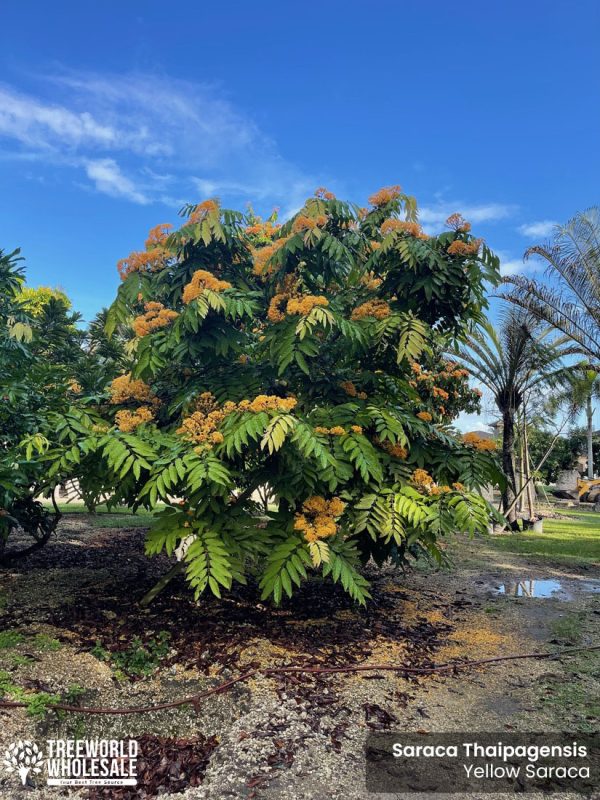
<point x="73" y="611"/>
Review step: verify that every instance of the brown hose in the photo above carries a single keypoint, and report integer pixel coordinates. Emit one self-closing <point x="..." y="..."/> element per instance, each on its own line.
<point x="194" y="700"/>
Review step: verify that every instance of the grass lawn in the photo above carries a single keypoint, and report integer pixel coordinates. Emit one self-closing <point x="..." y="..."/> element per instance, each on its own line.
<point x="117" y="517"/>
<point x="574" y="539"/>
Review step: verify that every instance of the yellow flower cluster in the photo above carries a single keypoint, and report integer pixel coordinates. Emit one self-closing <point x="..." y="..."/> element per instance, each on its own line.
<point x="458" y="248"/>
<point x="124" y="388"/>
<point x="201" y="211"/>
<point x="483" y="445"/>
<point x="425" y="416"/>
<point x="395" y="450"/>
<point x="128" y="421"/>
<point x="306" y="223"/>
<point x="201" y="428"/>
<point x="384" y="195"/>
<point x="305" y="303"/>
<point x="156" y="316"/>
<point x="324" y="194"/>
<point x="274" y="313"/>
<point x="369" y="281"/>
<point x="262" y="256"/>
<point x="266" y="229"/>
<point x="296" y="304"/>
<point x="458" y="223"/>
<point x="157" y="236"/>
<point x="411" y="228"/>
<point x="337" y="430"/>
<point x="75" y="387"/>
<point x="264" y="402"/>
<point x="422" y="479"/>
<point x="142" y="261"/>
<point x="318" y="517"/>
<point x="352" y="391"/>
<point x="201" y="280"/>
<point x="372" y="308"/>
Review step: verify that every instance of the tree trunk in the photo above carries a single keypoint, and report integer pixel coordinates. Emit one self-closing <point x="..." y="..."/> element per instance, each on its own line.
<point x="590" y="436"/>
<point x="508" y="465"/>
<point x="528" y="482"/>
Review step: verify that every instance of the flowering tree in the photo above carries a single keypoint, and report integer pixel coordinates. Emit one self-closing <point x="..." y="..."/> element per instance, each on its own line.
<point x="286" y="398"/>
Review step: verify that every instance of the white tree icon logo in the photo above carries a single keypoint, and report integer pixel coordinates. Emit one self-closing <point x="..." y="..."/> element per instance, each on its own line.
<point x="23" y="757"/>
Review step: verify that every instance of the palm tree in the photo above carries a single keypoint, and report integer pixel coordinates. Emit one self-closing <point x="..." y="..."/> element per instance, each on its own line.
<point x="512" y="360"/>
<point x="581" y="387"/>
<point x="573" y="305"/>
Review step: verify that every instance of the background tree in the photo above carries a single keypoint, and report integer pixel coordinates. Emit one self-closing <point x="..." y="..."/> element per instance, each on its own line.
<point x="40" y="349"/>
<point x="511" y="360"/>
<point x="573" y="305"/>
<point x="301" y="359"/>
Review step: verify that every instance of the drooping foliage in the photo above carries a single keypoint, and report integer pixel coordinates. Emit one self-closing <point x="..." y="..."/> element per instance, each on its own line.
<point x="286" y="397"/>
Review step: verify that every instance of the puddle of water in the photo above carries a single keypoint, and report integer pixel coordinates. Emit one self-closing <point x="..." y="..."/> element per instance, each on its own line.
<point x="546" y="588"/>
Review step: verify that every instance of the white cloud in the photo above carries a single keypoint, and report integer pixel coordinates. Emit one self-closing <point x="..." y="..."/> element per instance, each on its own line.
<point x="509" y="265"/>
<point x="109" y="179"/>
<point x="42" y="125"/>
<point x="138" y="136"/>
<point x="433" y="217"/>
<point x="538" y="230"/>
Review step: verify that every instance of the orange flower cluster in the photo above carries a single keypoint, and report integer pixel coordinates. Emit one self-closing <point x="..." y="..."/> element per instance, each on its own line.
<point x="305" y="223"/>
<point x="324" y="194"/>
<point x="369" y="281"/>
<point x="395" y="450"/>
<point x="267" y="229"/>
<point x="264" y="402"/>
<point x="305" y="303"/>
<point x="128" y="421"/>
<point x="389" y="225"/>
<point x="157" y="236"/>
<point x="352" y="391"/>
<point x="262" y="256"/>
<point x="142" y="261"/>
<point x="375" y="245"/>
<point x="201" y="280"/>
<point x="439" y="392"/>
<point x="296" y="304"/>
<point x="201" y="211"/>
<point x="124" y="389"/>
<point x="384" y="195"/>
<point x="156" y="316"/>
<point x="422" y="479"/>
<point x="458" y="223"/>
<point x="274" y="312"/>
<point x="425" y="416"/>
<point x="372" y="308"/>
<point x="337" y="430"/>
<point x="318" y="517"/>
<point x="75" y="387"/>
<point x="458" y="248"/>
<point x="201" y="428"/>
<point x="483" y="445"/>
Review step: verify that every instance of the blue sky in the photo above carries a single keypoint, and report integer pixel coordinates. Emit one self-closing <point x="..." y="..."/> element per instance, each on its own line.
<point x="114" y="114"/>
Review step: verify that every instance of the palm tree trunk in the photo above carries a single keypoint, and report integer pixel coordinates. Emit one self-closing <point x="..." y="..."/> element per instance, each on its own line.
<point x="508" y="465"/>
<point x="590" y="436"/>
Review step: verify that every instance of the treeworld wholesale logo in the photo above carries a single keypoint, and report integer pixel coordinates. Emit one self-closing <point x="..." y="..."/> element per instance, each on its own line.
<point x="75" y="762"/>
